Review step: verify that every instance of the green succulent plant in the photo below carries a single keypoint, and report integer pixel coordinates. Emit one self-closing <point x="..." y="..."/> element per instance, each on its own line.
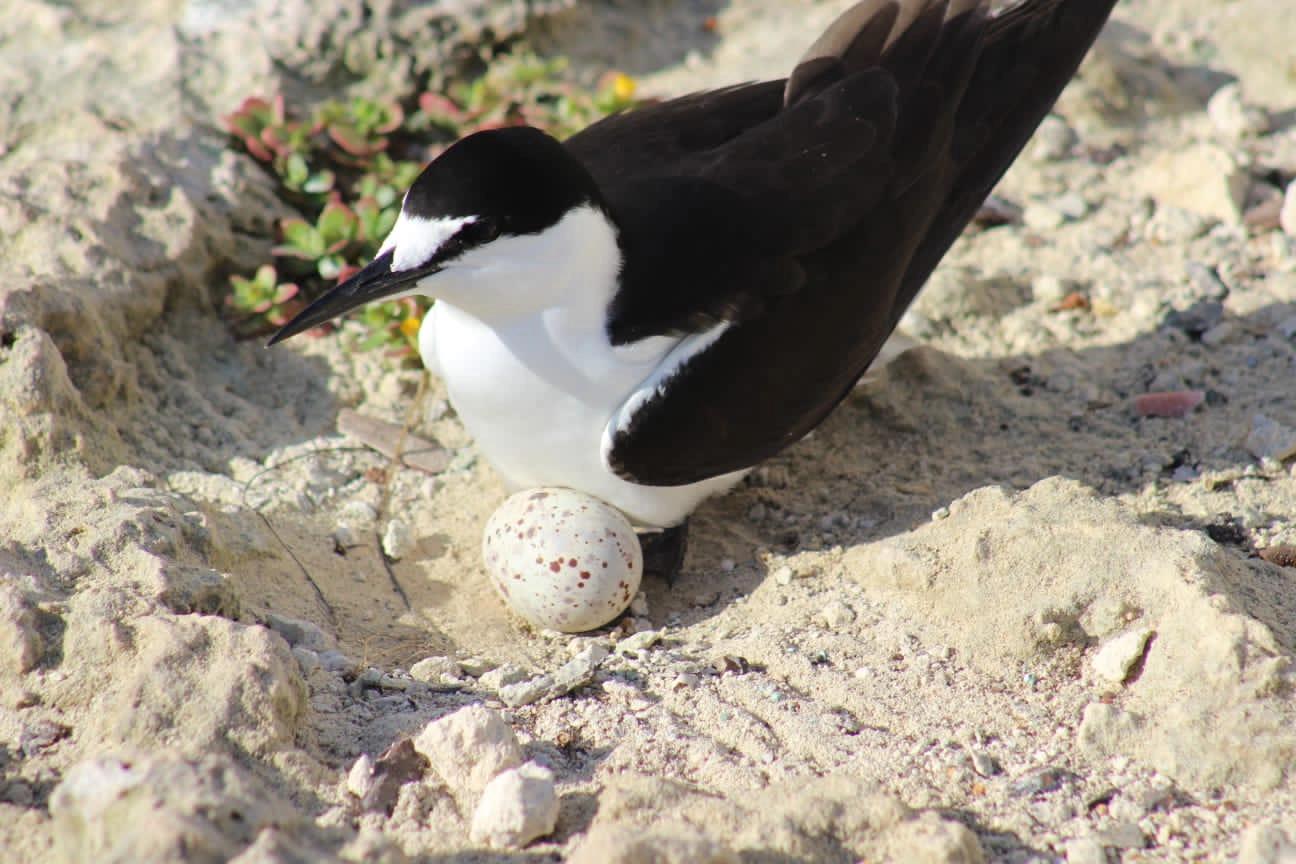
<point x="347" y="167"/>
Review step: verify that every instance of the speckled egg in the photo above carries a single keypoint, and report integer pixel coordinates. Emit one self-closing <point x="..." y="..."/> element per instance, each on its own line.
<point x="562" y="559"/>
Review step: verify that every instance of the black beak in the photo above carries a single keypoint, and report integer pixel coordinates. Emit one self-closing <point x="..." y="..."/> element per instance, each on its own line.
<point x="374" y="282"/>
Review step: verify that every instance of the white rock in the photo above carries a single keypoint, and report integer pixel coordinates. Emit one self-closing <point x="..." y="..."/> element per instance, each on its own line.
<point x="501" y="676"/>
<point x="836" y="615"/>
<point x="397" y="540"/>
<point x="359" y="511"/>
<point x="468" y="748"/>
<point x="527" y="692"/>
<point x="1268" y="843"/>
<point x="516" y="807"/>
<point x="1232" y="116"/>
<point x="639" y="642"/>
<point x="434" y="670"/>
<point x="579" y="671"/>
<point x="1218" y="186"/>
<point x="1270" y="439"/>
<point x="1053" y="139"/>
<point x="360" y="778"/>
<point x="1085" y="850"/>
<point x="1042" y="217"/>
<point x="1287" y="216"/>
<point x="1116" y="658"/>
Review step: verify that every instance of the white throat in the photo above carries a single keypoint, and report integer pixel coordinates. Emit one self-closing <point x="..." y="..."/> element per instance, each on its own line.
<point x="572" y="265"/>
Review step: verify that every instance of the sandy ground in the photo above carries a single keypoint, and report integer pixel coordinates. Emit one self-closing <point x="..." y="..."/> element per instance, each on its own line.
<point x="990" y="610"/>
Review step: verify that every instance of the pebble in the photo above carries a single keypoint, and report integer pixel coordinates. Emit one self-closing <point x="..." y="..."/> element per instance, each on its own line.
<point x="1175" y="403"/>
<point x="985" y="764"/>
<point x="435" y="670"/>
<point x="579" y="671"/>
<point x="639" y="605"/>
<point x="501" y="676"/>
<point x="397" y="540"/>
<point x="1268" y="843"/>
<point x="1123" y="835"/>
<point x="359" y="511"/>
<point x="1206" y="280"/>
<point x="307" y="659"/>
<point x="1085" y="850"/>
<point x="1116" y="659"/>
<point x="1232" y="116"/>
<point x="1270" y="439"/>
<point x="836" y="615"/>
<point x="1176" y="225"/>
<point x="360" y="778"/>
<point x="638" y="643"/>
<point x="296" y="632"/>
<point x="469" y="748"/>
<point x="526" y="692"/>
<point x="1042" y="217"/>
<point x="344" y="536"/>
<point x="1287" y="215"/>
<point x="337" y="662"/>
<point x="1053" y="140"/>
<point x="516" y="807"/>
<point x="783" y="575"/>
<point x="1040" y="781"/>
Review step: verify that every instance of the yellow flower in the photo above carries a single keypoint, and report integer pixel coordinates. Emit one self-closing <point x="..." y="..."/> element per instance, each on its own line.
<point x="623" y="87"/>
<point x="410" y="326"/>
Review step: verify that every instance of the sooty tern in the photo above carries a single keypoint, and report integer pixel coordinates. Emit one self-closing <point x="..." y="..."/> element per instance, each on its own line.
<point x="645" y="311"/>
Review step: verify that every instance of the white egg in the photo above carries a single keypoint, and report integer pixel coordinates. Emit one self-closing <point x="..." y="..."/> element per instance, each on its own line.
<point x="562" y="559"/>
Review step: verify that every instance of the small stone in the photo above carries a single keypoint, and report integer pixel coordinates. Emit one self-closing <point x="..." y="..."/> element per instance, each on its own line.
<point x="337" y="662"/>
<point x="360" y="778"/>
<point x="1206" y="280"/>
<point x="397" y="540"/>
<point x="361" y="512"/>
<point x="1116" y="659"/>
<point x="1268" y="843"/>
<point x="1232" y="116"/>
<point x="526" y="692"/>
<point x="344" y="536"/>
<point x="836" y="615"/>
<point x="1053" y="140"/>
<point x="296" y="632"/>
<point x="1219" y="186"/>
<point x="1270" y="439"/>
<point x="399" y="764"/>
<point x="468" y="748"/>
<point x="1042" y="217"/>
<point x="1041" y="781"/>
<point x="1106" y="729"/>
<point x="477" y="666"/>
<point x="1287" y="215"/>
<point x="639" y="605"/>
<point x="1176" y="225"/>
<point x="435" y="670"/>
<point x="783" y="575"/>
<point x="1049" y="289"/>
<point x="579" y="671"/>
<point x="1123" y="835"/>
<point x="516" y="807"/>
<point x="1071" y="205"/>
<point x="18" y="793"/>
<point x="21" y="645"/>
<point x="985" y="764"/>
<point x="1085" y="850"/>
<point x="501" y="676"/>
<point x="307" y="659"/>
<point x="1197" y="318"/>
<point x="638" y="643"/>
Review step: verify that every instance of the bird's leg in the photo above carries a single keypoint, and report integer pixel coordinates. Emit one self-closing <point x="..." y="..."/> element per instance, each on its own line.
<point x="663" y="552"/>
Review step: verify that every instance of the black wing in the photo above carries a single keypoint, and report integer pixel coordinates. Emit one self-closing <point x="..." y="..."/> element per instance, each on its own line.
<point x="810" y="212"/>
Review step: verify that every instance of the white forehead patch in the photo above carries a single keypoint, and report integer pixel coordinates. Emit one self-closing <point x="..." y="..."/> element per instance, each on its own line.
<point x="414" y="239"/>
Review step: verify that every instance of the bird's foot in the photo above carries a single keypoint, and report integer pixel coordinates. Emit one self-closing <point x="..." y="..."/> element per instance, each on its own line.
<point x="664" y="551"/>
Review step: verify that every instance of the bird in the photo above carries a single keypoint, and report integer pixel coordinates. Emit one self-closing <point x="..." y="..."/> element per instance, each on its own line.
<point x="645" y="311"/>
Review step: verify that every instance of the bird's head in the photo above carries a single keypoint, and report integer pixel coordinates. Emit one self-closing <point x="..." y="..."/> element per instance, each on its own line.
<point x="483" y="227"/>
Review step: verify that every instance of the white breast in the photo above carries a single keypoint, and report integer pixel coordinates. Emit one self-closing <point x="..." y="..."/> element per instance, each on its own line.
<point x="538" y="394"/>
